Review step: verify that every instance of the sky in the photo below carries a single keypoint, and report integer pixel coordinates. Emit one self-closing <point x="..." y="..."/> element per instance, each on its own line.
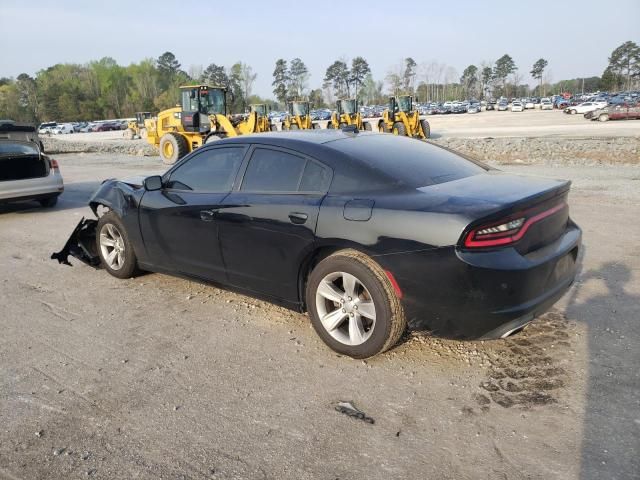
<point x="575" y="37"/>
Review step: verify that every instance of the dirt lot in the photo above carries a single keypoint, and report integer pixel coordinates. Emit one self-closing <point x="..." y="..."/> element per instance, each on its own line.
<point x="162" y="378"/>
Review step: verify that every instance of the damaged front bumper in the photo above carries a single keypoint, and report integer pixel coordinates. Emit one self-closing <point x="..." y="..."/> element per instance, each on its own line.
<point x="81" y="245"/>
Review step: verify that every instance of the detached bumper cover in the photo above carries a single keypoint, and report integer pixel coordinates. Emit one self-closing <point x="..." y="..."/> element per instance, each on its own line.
<point x="81" y="245"/>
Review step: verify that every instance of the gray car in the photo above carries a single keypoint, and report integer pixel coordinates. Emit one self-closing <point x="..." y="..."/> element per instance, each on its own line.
<point x="26" y="173"/>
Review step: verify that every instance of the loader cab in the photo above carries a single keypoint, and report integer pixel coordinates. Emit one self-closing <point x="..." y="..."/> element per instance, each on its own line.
<point x="198" y="103"/>
<point x="404" y="103"/>
<point x="300" y="109"/>
<point x="141" y="117"/>
<point x="259" y="108"/>
<point x="348" y="107"/>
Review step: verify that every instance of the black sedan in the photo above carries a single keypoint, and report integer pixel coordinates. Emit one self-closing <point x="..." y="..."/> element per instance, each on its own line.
<point x="364" y="231"/>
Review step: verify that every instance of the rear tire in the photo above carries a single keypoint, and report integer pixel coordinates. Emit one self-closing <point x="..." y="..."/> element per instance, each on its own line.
<point x="383" y="128"/>
<point x="173" y="147"/>
<point x="273" y="128"/>
<point x="330" y="126"/>
<point x="48" y="202"/>
<point x="143" y="133"/>
<point x="367" y="126"/>
<point x="426" y="128"/>
<point x="128" y="134"/>
<point x="398" y="129"/>
<point x="294" y="126"/>
<point x="360" y="335"/>
<point x="342" y="125"/>
<point x="114" y="247"/>
<point x="212" y="138"/>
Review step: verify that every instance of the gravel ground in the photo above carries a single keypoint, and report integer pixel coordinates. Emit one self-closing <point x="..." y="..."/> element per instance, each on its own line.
<point x="162" y="378"/>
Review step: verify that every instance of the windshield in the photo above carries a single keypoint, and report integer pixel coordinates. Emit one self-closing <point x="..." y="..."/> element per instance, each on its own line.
<point x="348" y="106"/>
<point x="404" y="104"/>
<point x="259" y="109"/>
<point x="212" y="101"/>
<point x="209" y="102"/>
<point x="300" y="108"/>
<point x="20" y="148"/>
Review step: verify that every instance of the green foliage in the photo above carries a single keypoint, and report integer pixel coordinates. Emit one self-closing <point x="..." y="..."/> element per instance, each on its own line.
<point x="469" y="80"/>
<point x="298" y="76"/>
<point x="317" y="99"/>
<point x="338" y="77"/>
<point x="504" y="67"/>
<point x="625" y="62"/>
<point x="281" y="80"/>
<point x="359" y="71"/>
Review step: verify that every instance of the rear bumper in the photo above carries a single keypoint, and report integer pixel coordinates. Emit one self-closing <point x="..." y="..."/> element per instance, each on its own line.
<point x="482" y="295"/>
<point x="31" y="188"/>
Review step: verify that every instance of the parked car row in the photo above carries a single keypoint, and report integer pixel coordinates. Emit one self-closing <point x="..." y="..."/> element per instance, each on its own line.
<point x="54" y="128"/>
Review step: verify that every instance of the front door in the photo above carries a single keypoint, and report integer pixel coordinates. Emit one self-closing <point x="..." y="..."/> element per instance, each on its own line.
<point x="179" y="222"/>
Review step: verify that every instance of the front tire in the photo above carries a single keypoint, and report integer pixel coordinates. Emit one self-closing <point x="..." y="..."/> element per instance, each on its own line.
<point x="398" y="129"/>
<point x="114" y="247"/>
<point x="353" y="306"/>
<point x="367" y="126"/>
<point x="426" y="128"/>
<point x="173" y="147"/>
<point x="603" y="118"/>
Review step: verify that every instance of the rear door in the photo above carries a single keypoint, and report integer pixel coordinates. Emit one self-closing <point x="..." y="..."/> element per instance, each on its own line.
<point x="179" y="223"/>
<point x="267" y="225"/>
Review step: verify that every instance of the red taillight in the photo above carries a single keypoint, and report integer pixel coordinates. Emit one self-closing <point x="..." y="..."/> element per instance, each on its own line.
<point x="54" y="164"/>
<point x="508" y="230"/>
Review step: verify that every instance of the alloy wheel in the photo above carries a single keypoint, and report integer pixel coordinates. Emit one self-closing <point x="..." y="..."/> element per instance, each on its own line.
<point x="112" y="246"/>
<point x="346" y="309"/>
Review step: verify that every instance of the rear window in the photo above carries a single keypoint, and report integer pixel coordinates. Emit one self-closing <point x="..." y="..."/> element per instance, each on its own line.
<point x="7" y="148"/>
<point x="410" y="162"/>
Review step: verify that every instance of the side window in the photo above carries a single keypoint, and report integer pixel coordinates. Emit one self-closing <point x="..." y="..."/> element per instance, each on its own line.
<point x="316" y="178"/>
<point x="273" y="171"/>
<point x="209" y="171"/>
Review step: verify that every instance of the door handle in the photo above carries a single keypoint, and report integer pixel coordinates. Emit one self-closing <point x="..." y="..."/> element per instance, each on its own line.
<point x="298" y="218"/>
<point x="207" y="215"/>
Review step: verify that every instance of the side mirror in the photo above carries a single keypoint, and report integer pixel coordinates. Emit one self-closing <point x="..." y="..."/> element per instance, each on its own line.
<point x="153" y="183"/>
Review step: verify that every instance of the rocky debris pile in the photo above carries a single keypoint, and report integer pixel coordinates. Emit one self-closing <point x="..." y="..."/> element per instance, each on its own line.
<point x="518" y="150"/>
<point x="138" y="148"/>
<point x="549" y="150"/>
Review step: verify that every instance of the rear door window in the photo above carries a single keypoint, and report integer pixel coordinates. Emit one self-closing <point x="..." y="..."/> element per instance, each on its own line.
<point x="274" y="170"/>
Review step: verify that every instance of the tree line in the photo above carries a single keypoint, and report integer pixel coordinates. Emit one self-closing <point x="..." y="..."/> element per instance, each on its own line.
<point x="103" y="89"/>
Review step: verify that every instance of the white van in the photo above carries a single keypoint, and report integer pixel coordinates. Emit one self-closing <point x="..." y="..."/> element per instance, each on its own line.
<point x="62" y="128"/>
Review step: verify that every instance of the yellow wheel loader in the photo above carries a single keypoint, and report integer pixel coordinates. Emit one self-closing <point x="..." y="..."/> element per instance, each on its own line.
<point x="258" y="120"/>
<point x="347" y="113"/>
<point x="401" y="119"/>
<point x="201" y="117"/>
<point x="298" y="117"/>
<point x="135" y="128"/>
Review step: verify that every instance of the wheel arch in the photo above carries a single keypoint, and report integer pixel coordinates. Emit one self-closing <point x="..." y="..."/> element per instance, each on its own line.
<point x="313" y="258"/>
